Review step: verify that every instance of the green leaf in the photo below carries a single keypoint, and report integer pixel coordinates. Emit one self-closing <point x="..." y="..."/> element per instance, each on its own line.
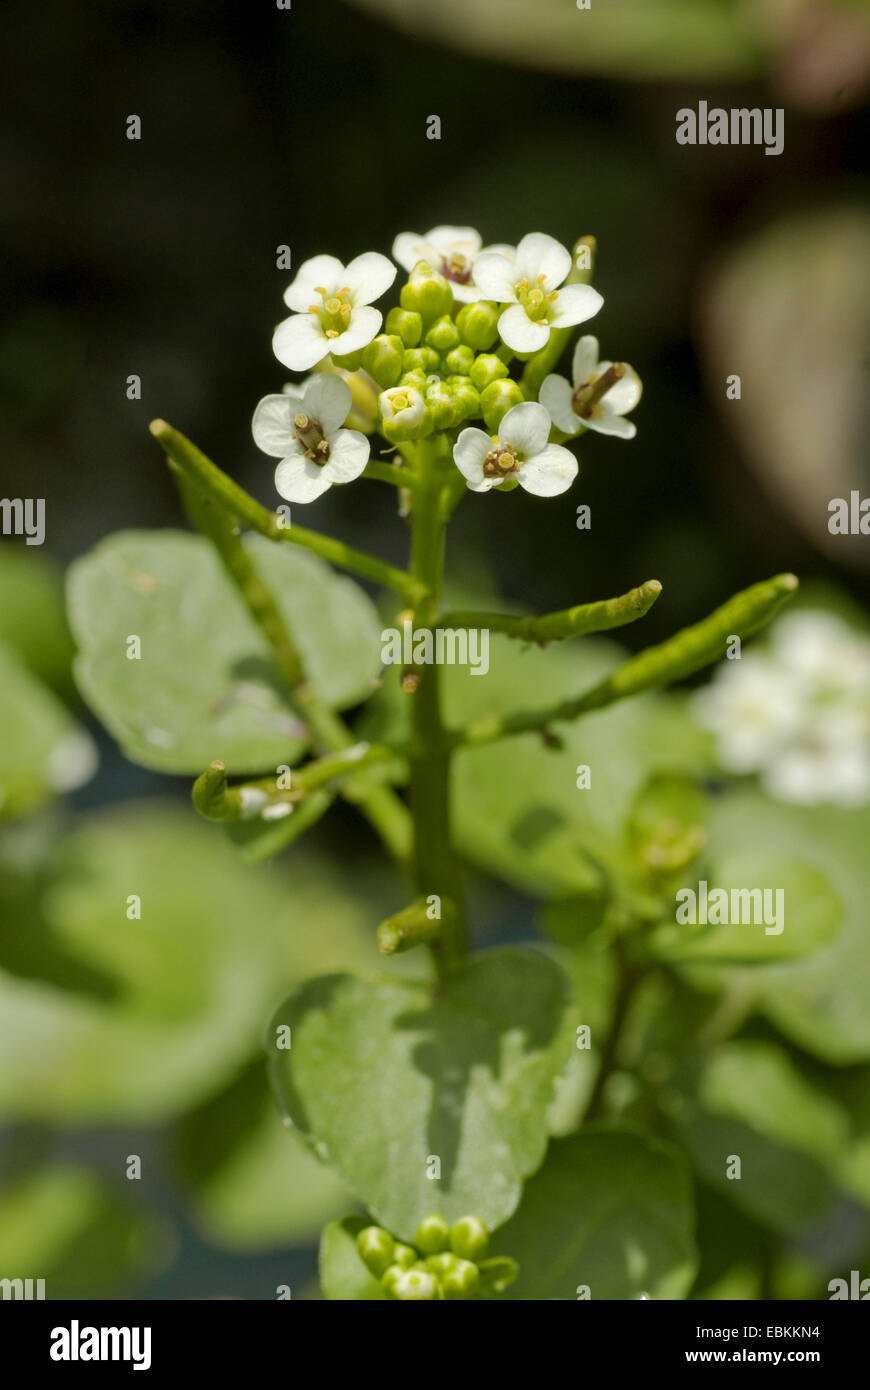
<point x="43" y="750"/>
<point x="252" y="1184"/>
<point x="32" y="615"/>
<point x="810" y="917"/>
<point x="384" y="1077"/>
<point x="343" y="1276"/>
<point x="610" y="1209"/>
<point x="125" y="1019"/>
<point x="750" y="1101"/>
<point x="82" y="1236"/>
<point x="205" y="686"/>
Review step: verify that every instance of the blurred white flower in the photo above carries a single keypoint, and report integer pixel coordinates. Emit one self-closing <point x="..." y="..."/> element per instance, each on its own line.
<point x="302" y="427"/>
<point x="332" y="309"/>
<point x="574" y="407"/>
<point x="519" y="454"/>
<point x="798" y="714"/>
<point x="529" y="283"/>
<point x="452" y="251"/>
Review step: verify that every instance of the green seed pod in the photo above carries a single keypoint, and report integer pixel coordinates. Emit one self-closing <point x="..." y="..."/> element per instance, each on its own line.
<point x="478" y="324"/>
<point x="404" y="1255"/>
<point x="433" y="1235"/>
<point x="462" y="1281"/>
<point x="427" y="293"/>
<point x="421" y="359"/>
<point x="443" y="335"/>
<point x="497" y="1274"/>
<point x="382" y="359"/>
<point x="469" y="1238"/>
<point x="416" y="1285"/>
<point x="486" y="369"/>
<point x="406" y="324"/>
<point x="459" y="361"/>
<point x="376" y="1246"/>
<point x="497" y="400"/>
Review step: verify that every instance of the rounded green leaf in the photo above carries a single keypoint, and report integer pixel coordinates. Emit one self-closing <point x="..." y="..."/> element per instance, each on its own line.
<point x="43" y="750"/>
<point x="32" y="615"/>
<point x="204" y="685"/>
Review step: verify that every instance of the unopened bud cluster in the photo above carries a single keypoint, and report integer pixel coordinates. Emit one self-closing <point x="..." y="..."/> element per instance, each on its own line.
<point x="445" y="1262"/>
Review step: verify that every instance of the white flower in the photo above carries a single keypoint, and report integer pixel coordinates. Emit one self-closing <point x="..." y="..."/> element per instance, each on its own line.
<point x="529" y="283"/>
<point x="798" y="714"/>
<point x="332" y="309"/>
<point x="601" y="409"/>
<point x="303" y="429"/>
<point x="520" y="451"/>
<point x="452" y="251"/>
<point x="401" y="405"/>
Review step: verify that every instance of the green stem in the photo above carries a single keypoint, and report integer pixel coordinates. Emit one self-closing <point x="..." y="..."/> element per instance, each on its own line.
<point x="436" y="868"/>
<point x="688" y="651"/>
<point x="389" y="473"/>
<point x="628" y="980"/>
<point x="221" y="489"/>
<point x="569" y="622"/>
<point x="411" y="927"/>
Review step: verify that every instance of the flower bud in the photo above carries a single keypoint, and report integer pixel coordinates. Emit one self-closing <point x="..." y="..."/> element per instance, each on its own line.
<point x="496" y="400"/>
<point x="406" y="324"/>
<point x="478" y="324"/>
<point x="389" y="1279"/>
<point x="441" y="1263"/>
<point x="459" y="361"/>
<point x="404" y="1255"/>
<point x="486" y="369"/>
<point x="498" y="1273"/>
<point x="427" y="293"/>
<point x="462" y="1281"/>
<point x="466" y="401"/>
<point x="376" y="1246"/>
<point x="423" y="359"/>
<point x="433" y="1235"/>
<point x="404" y="414"/>
<point x="440" y="403"/>
<point x="350" y="362"/>
<point x="382" y="359"/>
<point x="469" y="1238"/>
<point x="443" y="335"/>
<point x="416" y="1285"/>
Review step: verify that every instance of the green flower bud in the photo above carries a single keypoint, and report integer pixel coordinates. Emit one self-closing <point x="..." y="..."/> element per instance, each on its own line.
<point x="404" y="1255"/>
<point x="469" y="1238"/>
<point x="427" y="293"/>
<point x="478" y="324"/>
<point x="466" y="401"/>
<point x="462" y="1281"/>
<point x="433" y="1235"/>
<point x="496" y="401"/>
<point x="486" y="369"/>
<point x="389" y="1279"/>
<point x="443" y="335"/>
<point x="459" y="361"/>
<point x="421" y="359"/>
<point x="406" y="324"/>
<point x="498" y="1273"/>
<point x="404" y="414"/>
<point x="416" y="1285"/>
<point x="382" y="359"/>
<point x="441" y="404"/>
<point x="350" y="362"/>
<point x="442" y="1263"/>
<point x="376" y="1246"/>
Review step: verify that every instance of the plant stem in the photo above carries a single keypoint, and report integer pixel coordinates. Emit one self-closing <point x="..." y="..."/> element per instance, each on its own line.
<point x="629" y="978"/>
<point x="569" y="622"/>
<point x="435" y="865"/>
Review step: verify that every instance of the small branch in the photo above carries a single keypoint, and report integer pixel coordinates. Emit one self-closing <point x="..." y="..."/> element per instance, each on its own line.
<point x="269" y="840"/>
<point x="688" y="651"/>
<point x="227" y="494"/>
<point x="411" y="927"/>
<point x="569" y="622"/>
<point x="629" y="979"/>
<point x="390" y="473"/>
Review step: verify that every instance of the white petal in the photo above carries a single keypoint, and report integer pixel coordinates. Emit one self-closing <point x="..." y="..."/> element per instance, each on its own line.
<point x="348" y="456"/>
<point x="369" y="276"/>
<point x="555" y="396"/>
<point x="300" y="343"/>
<point x="526" y="427"/>
<point x="299" y="480"/>
<point x="501" y="248"/>
<point x="520" y="333"/>
<point x="272" y="425"/>
<point x="465" y="294"/>
<point x="463" y="240"/>
<point x="469" y="452"/>
<point x="495" y="277"/>
<point x="575" y="304"/>
<point x="325" y="271"/>
<point x="365" y="324"/>
<point x="550" y="472"/>
<point x="585" y="360"/>
<point x="410" y="247"/>
<point x="624" y="394"/>
<point x="539" y="254"/>
<point x="329" y="400"/>
<point x="605" y="421"/>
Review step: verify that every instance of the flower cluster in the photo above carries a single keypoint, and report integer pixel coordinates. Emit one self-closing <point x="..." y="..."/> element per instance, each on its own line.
<point x="442" y="359"/>
<point x="445" y="1262"/>
<point x="798" y="713"/>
